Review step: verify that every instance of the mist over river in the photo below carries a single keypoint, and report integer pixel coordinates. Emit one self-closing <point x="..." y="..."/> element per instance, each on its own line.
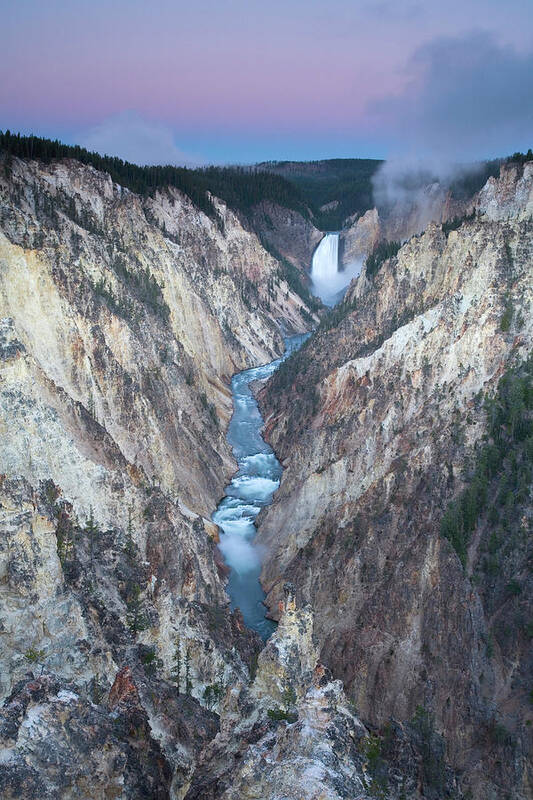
<point x="251" y="488"/>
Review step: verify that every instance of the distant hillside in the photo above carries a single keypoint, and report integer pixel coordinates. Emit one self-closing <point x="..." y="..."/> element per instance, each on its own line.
<point x="334" y="188"/>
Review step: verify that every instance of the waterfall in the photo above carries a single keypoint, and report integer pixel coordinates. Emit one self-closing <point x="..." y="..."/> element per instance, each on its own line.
<point x="328" y="282"/>
<point x="326" y="259"/>
<point x="325" y="267"/>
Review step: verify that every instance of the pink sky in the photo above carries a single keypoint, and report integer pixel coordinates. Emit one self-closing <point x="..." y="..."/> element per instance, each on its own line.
<point x="230" y="77"/>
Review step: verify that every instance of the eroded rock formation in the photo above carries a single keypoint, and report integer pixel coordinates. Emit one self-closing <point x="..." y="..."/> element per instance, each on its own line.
<point x="122" y="671"/>
<point x="293" y="734"/>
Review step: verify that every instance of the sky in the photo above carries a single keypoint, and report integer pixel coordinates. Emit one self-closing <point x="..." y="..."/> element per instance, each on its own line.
<point x="241" y="81"/>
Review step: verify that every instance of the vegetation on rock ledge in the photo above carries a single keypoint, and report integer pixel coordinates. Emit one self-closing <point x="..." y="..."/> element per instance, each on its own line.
<point x="381" y="252"/>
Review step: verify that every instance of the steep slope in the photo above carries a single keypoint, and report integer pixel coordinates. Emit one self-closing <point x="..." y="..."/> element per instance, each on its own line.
<point x="293" y="735"/>
<point x="139" y="310"/>
<point x="378" y="420"/>
<point x="264" y="202"/>
<point x="122" y="321"/>
<point x="397" y="223"/>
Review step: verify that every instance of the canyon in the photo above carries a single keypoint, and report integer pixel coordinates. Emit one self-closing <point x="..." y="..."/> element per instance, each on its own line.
<point x="398" y="669"/>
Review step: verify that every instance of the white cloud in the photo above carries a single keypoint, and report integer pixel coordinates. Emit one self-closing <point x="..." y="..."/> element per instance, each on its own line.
<point x="135" y="139"/>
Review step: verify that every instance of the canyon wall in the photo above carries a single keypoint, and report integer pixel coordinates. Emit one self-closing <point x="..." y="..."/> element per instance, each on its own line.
<point x="379" y="421"/>
<point x="122" y="319"/>
<point x="289" y="233"/>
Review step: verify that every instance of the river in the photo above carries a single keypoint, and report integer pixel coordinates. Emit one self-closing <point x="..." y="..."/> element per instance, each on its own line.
<point x="251" y="488"/>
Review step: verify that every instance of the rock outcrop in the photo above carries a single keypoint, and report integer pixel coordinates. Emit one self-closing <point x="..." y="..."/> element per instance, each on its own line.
<point x="378" y="422"/>
<point x="293" y="735"/>
<point x="289" y="233"/>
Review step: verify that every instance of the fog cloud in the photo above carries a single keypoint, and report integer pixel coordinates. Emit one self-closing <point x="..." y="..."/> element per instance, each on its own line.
<point x="135" y="139"/>
<point x="467" y="97"/>
<point x="415" y="190"/>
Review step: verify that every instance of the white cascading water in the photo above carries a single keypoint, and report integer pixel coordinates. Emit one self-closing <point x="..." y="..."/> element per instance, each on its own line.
<point x="326" y="259"/>
<point x="328" y="283"/>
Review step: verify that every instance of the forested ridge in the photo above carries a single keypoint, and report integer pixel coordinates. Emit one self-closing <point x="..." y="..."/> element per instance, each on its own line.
<point x="241" y="188"/>
<point x="499" y="482"/>
<point x="328" y="191"/>
<point x="334" y="188"/>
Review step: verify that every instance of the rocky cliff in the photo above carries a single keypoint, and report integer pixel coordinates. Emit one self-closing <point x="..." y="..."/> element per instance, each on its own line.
<point x="140" y="311"/>
<point x="293" y="735"/>
<point x="381" y="420"/>
<point x="289" y="233"/>
<point x="122" y="320"/>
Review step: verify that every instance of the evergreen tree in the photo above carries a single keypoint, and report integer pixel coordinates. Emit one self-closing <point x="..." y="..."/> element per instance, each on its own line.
<point x="289" y="698"/>
<point x="380" y="254"/>
<point x="212" y="694"/>
<point x="208" y="696"/>
<point x="188" y="682"/>
<point x="136" y="615"/>
<point x="176" y="668"/>
<point x="150" y="660"/>
<point x="65" y="538"/>
<point x="91" y="406"/>
<point x="92" y="531"/>
<point x="130" y="544"/>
